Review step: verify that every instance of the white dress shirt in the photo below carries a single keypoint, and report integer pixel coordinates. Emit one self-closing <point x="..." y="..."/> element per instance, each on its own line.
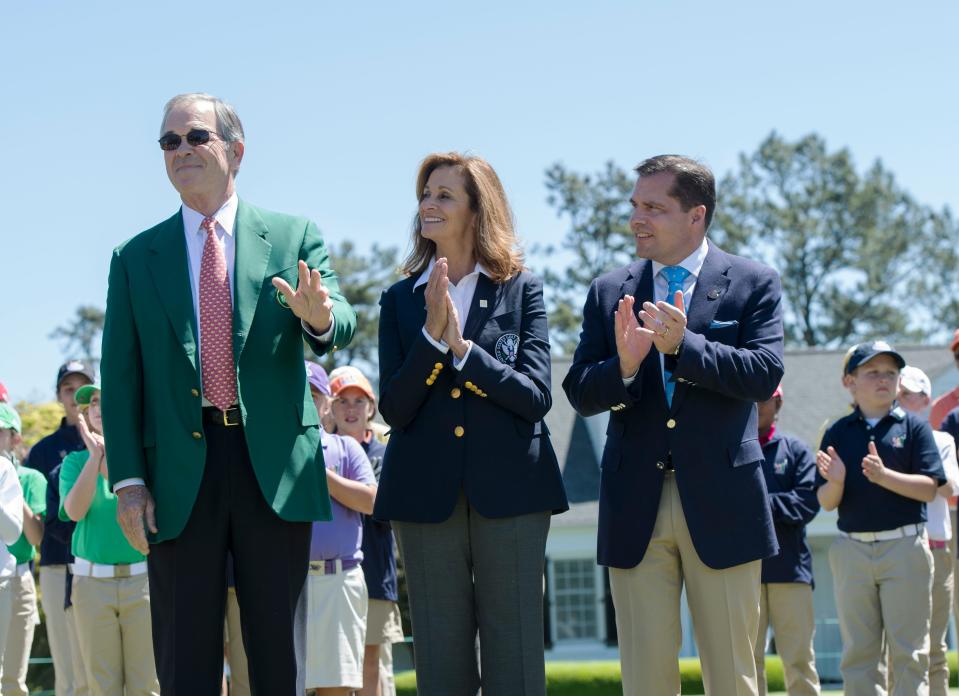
<point x="462" y="296"/>
<point x="692" y="263"/>
<point x="938" y="521"/>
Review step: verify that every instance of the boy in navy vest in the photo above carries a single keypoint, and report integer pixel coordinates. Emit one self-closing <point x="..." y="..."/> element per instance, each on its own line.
<point x="785" y="599"/>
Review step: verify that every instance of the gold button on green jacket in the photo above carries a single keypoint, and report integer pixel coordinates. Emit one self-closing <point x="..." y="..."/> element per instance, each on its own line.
<point x="150" y="367"/>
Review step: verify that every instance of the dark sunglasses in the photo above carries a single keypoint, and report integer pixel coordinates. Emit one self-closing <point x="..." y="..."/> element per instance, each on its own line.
<point x="197" y="136"/>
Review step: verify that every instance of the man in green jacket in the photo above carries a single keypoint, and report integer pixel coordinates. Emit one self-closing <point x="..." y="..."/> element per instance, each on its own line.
<point x="213" y="437"/>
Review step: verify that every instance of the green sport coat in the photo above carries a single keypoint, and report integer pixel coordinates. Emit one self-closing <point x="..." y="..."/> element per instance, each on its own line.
<point x="151" y="405"/>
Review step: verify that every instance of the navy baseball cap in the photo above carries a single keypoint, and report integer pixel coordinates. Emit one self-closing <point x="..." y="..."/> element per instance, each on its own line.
<point x="864" y="352"/>
<point x="74" y="367"/>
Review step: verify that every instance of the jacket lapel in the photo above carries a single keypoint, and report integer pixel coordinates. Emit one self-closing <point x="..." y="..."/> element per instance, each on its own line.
<point x="170" y="268"/>
<point x="252" y="256"/>
<point x="711" y="286"/>
<point x="484" y="300"/>
<point x="639" y="283"/>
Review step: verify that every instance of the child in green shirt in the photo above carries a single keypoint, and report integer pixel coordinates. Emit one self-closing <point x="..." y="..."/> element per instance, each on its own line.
<point x="111" y="596"/>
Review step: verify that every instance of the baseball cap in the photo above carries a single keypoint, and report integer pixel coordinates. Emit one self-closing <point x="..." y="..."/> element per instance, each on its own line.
<point x="317" y="377"/>
<point x="9" y="418"/>
<point x="864" y="352"/>
<point x="83" y="395"/>
<point x="3" y="393"/>
<point x="349" y="376"/>
<point x="74" y="367"/>
<point x="955" y="341"/>
<point x="915" y="380"/>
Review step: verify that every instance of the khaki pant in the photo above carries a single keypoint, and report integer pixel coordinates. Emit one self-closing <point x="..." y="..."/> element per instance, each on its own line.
<point x="239" y="668"/>
<point x="883" y="586"/>
<point x="787" y="607"/>
<point x="724" y="605"/>
<point x="115" y="632"/>
<point x="6" y="608"/>
<point x="69" y="674"/>
<point x="24" y="618"/>
<point x="942" y="591"/>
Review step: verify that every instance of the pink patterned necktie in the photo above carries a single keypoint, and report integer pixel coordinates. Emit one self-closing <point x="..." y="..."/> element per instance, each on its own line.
<point x="216" y="322"/>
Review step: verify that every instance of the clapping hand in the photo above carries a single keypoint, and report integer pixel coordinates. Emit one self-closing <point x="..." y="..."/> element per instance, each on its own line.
<point x="633" y="342"/>
<point x="310" y="301"/>
<point x="93" y="440"/>
<point x="667" y="322"/>
<point x="872" y="466"/>
<point x="830" y="466"/>
<point x="453" y="336"/>
<point x="436" y="295"/>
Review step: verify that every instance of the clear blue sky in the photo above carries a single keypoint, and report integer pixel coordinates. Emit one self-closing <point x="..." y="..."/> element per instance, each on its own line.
<point x="340" y="101"/>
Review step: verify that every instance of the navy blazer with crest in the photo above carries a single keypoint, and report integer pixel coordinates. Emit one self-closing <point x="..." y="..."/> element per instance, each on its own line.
<point x="732" y="357"/>
<point x="478" y="430"/>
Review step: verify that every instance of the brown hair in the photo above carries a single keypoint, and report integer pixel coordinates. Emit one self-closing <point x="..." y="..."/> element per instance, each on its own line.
<point x="496" y="245"/>
<point x="693" y="185"/>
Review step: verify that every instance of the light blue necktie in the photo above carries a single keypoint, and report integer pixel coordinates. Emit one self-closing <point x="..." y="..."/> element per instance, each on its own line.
<point x="675" y="277"/>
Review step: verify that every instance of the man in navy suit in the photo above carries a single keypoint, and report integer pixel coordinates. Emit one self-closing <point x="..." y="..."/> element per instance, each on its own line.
<point x="682" y="499"/>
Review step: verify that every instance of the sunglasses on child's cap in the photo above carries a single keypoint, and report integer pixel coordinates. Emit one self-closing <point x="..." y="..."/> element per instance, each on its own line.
<point x="196" y="136"/>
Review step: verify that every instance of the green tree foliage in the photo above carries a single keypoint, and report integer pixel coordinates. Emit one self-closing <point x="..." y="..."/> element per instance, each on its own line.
<point x="859" y="256"/>
<point x="38" y="420"/>
<point x="597" y="240"/>
<point x="362" y="280"/>
<point x="81" y="335"/>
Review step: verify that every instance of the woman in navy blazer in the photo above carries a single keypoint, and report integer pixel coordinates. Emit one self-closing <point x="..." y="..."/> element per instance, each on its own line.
<point x="469" y="477"/>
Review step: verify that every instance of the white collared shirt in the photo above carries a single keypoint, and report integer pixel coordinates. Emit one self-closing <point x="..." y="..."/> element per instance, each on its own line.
<point x="939" y="523"/>
<point x="692" y="263"/>
<point x="462" y="296"/>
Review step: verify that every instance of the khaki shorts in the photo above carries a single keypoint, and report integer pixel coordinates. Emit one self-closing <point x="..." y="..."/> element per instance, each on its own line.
<point x="383" y="623"/>
<point x="335" y="628"/>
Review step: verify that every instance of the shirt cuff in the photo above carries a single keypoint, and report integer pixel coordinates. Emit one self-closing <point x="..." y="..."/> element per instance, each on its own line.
<point x="325" y="337"/>
<point x="459" y="363"/>
<point x="629" y="380"/>
<point x="439" y="345"/>
<point x="128" y="482"/>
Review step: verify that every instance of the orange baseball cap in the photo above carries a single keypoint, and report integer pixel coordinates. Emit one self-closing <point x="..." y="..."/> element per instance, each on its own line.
<point x="348" y="376"/>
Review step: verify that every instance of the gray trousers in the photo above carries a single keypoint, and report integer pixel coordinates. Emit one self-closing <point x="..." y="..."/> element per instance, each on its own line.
<point x="470" y="573"/>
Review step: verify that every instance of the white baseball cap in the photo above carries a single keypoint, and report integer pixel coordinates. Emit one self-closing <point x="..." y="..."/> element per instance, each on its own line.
<point x="915" y="380"/>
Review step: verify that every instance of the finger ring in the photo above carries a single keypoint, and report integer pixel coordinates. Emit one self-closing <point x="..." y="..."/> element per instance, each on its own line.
<point x="665" y="331"/>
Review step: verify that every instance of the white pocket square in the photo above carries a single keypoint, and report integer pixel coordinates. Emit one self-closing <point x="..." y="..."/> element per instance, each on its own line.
<point x="722" y="324"/>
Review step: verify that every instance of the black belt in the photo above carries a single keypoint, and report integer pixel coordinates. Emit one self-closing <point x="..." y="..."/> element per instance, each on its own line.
<point x="228" y="418"/>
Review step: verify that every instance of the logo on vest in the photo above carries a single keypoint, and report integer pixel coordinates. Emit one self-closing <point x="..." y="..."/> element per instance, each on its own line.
<point x="507" y="346"/>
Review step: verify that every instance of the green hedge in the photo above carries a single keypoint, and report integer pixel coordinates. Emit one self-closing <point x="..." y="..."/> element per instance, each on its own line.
<point x="603" y="678"/>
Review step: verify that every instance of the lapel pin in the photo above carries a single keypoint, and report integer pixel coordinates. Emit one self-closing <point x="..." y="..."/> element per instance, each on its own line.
<point x="714" y="293"/>
<point x="482" y="303"/>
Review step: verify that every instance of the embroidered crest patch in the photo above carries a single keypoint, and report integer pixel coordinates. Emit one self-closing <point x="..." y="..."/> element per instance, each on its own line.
<point x="507" y="346"/>
<point x="899" y="441"/>
<point x="780" y="466"/>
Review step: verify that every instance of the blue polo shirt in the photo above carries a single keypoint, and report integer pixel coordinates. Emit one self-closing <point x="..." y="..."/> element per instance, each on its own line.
<point x="45" y="457"/>
<point x="379" y="561"/>
<point x="790" y="472"/>
<point x="905" y="444"/>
